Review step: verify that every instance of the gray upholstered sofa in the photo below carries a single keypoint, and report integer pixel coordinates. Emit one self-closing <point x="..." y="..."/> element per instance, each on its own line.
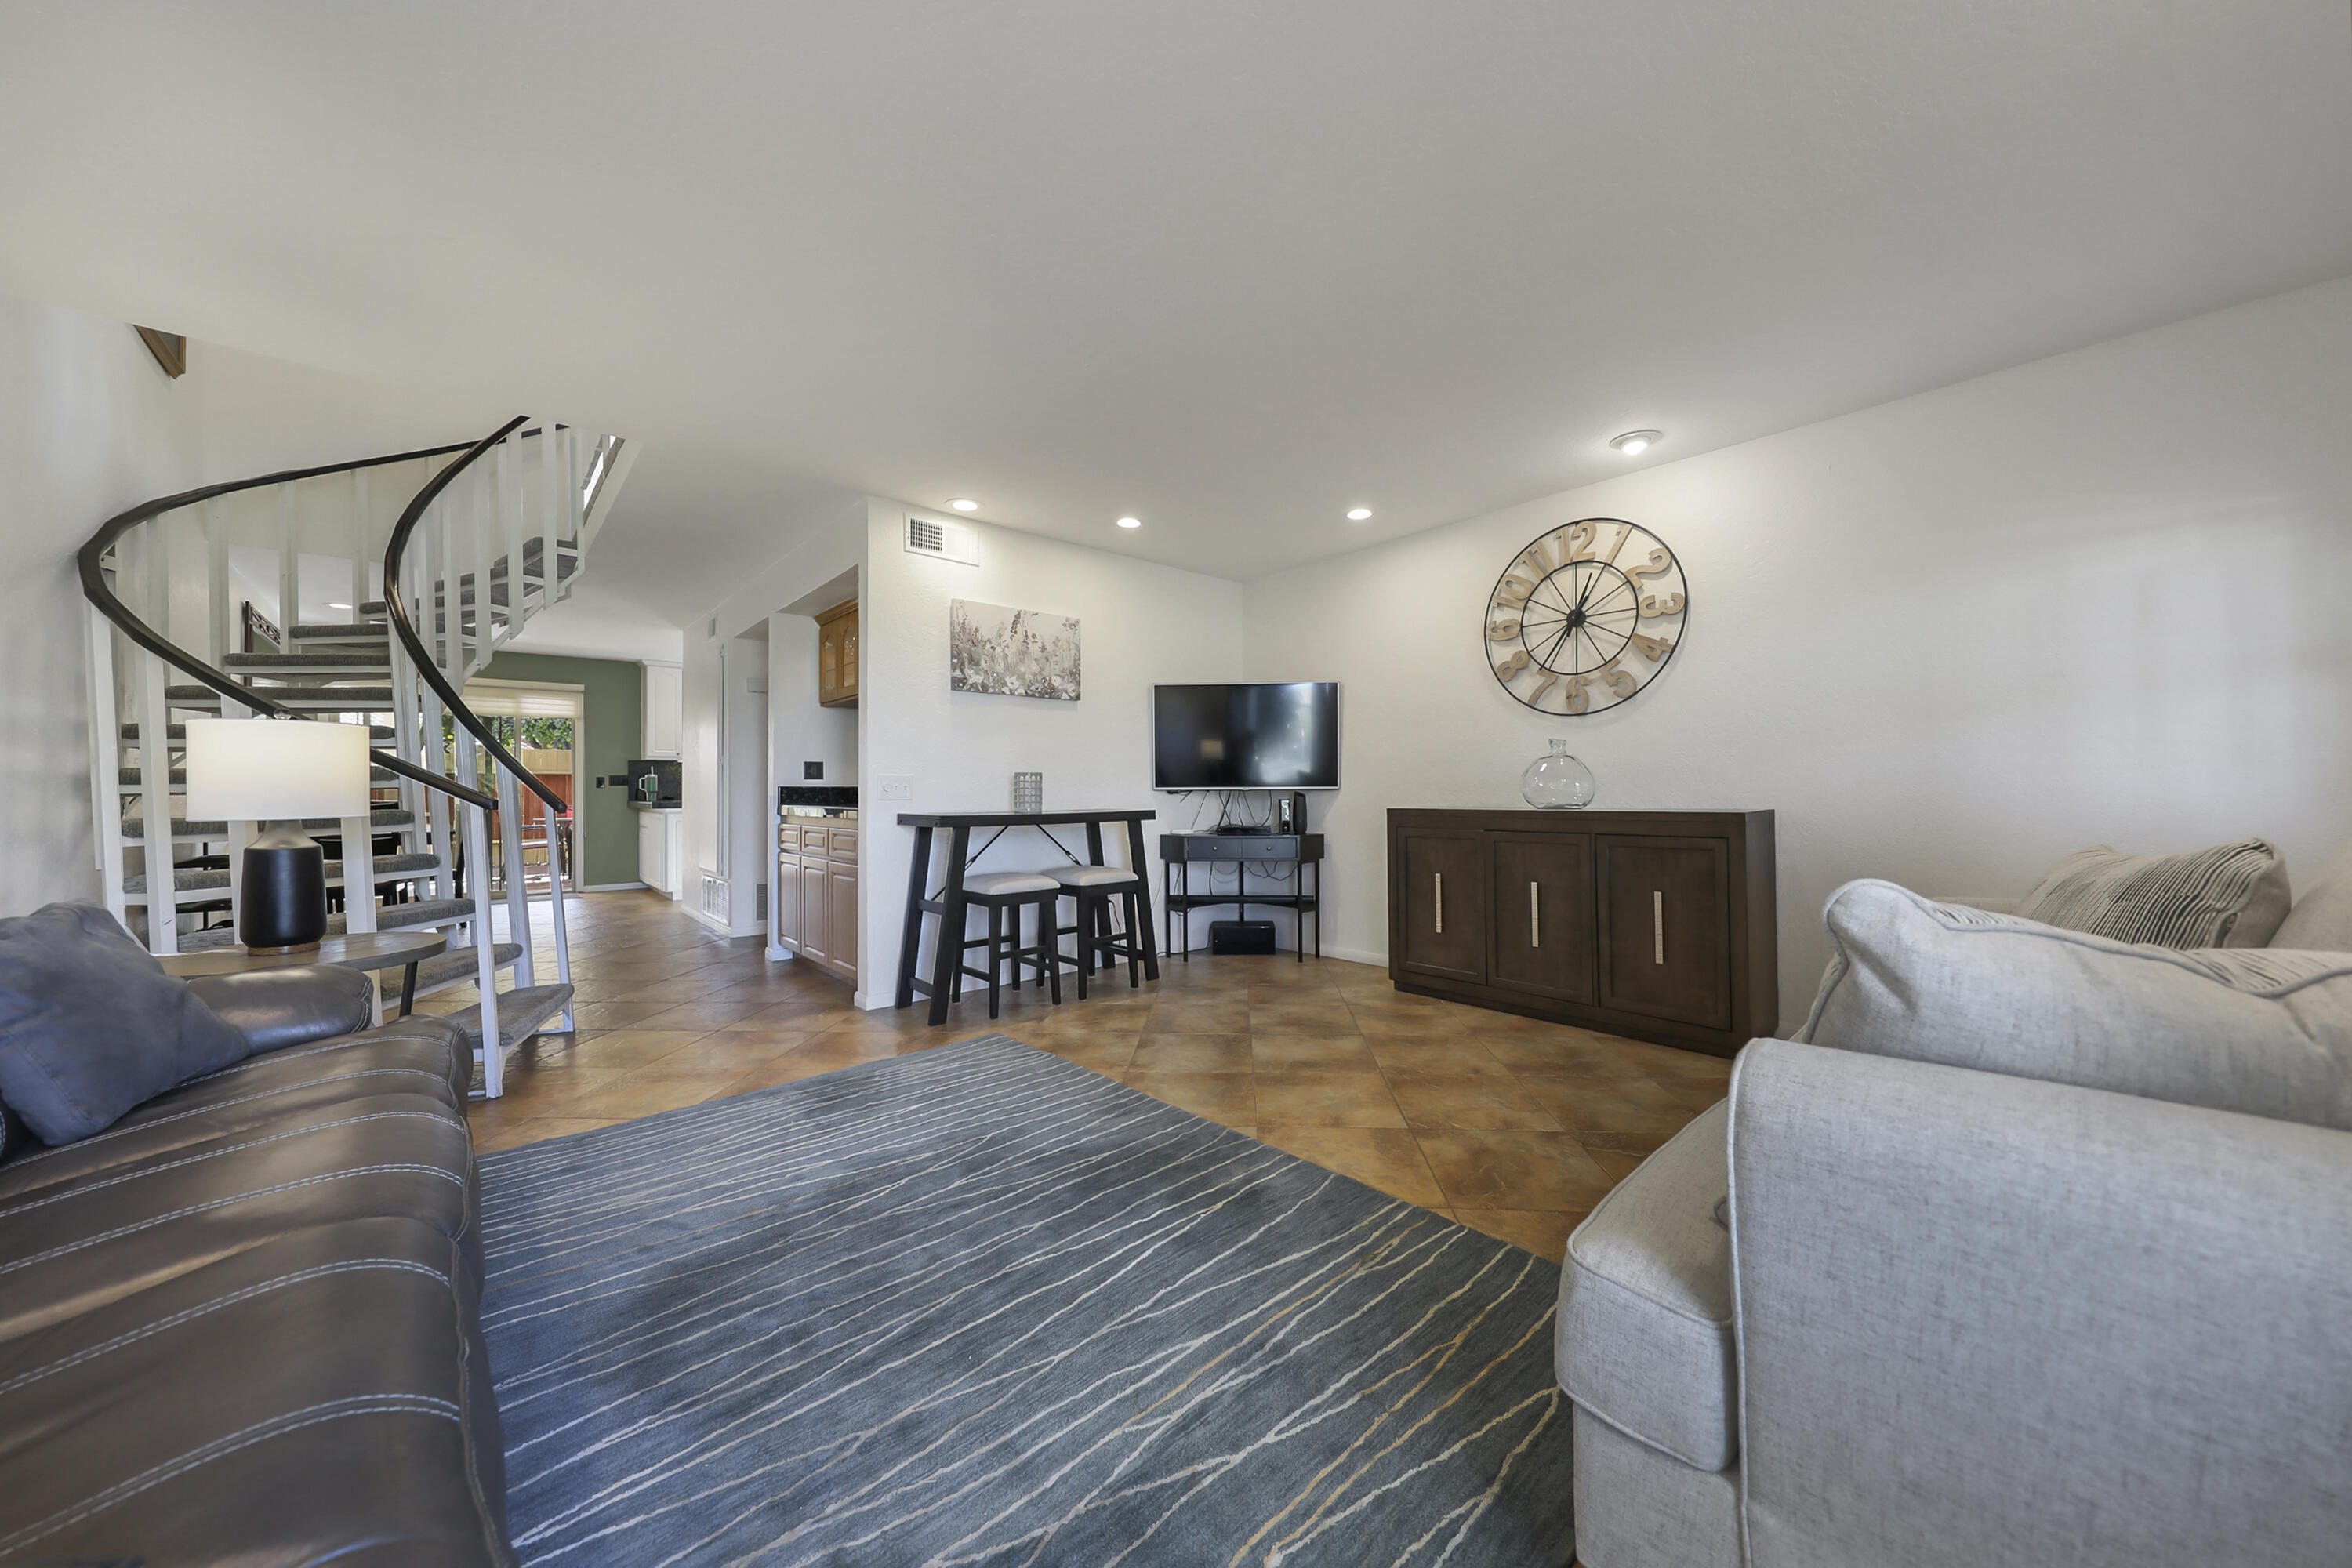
<point x="2054" y="1267"/>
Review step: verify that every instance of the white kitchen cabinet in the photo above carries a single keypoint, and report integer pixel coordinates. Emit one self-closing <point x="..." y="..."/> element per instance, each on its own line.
<point x="661" y="843"/>
<point x="816" y="894"/>
<point x="664" y="716"/>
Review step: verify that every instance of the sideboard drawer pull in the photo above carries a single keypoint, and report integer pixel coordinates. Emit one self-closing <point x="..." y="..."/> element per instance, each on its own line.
<point x="1439" y="878"/>
<point x="1658" y="927"/>
<point x="1535" y="917"/>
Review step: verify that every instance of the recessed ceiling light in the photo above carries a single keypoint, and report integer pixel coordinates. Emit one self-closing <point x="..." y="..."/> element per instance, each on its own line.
<point x="333" y="606"/>
<point x="962" y="504"/>
<point x="1634" y="443"/>
<point x="1357" y="514"/>
<point x="1130" y="522"/>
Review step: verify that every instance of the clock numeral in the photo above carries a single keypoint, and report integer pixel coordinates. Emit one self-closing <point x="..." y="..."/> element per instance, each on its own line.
<point x="1579" y="541"/>
<point x="1503" y="631"/>
<point x="1514" y="590"/>
<point x="1659" y="563"/>
<point x="1579" y="696"/>
<point x="1652" y="648"/>
<point x="1552" y="677"/>
<point x="1620" y="681"/>
<point x="1653" y="607"/>
<point x="1512" y="666"/>
<point x="1534" y="555"/>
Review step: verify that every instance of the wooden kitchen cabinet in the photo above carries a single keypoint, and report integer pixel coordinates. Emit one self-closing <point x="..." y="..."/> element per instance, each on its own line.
<point x="816" y="893"/>
<point x="836" y="656"/>
<point x="1655" y="924"/>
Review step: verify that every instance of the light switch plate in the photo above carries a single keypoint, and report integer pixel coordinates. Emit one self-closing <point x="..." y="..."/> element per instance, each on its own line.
<point x="894" y="787"/>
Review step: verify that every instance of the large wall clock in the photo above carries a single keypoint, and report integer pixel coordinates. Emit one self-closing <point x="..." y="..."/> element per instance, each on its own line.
<point x="1586" y="616"/>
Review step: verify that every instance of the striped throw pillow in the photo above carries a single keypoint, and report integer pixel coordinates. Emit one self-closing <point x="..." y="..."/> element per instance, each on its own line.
<point x="2231" y="895"/>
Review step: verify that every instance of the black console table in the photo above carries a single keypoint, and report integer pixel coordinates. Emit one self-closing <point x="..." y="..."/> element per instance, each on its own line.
<point x="950" y="905"/>
<point x="1180" y="851"/>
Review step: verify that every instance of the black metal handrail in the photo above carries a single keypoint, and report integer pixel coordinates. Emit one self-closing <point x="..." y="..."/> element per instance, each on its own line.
<point x="395" y="611"/>
<point x="99" y="591"/>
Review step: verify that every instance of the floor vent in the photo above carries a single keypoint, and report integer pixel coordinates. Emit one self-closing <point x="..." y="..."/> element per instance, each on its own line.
<point x="942" y="540"/>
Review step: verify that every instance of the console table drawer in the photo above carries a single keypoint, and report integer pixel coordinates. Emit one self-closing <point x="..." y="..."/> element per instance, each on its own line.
<point x="1237" y="846"/>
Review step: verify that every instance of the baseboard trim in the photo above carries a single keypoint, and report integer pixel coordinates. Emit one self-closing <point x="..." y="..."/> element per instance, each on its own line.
<point x="614" y="887"/>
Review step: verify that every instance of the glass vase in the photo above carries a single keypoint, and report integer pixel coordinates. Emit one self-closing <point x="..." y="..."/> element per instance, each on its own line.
<point x="1557" y="782"/>
<point x="1029" y="793"/>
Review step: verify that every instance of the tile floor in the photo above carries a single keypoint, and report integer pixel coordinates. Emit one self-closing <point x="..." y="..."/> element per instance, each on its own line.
<point x="1512" y="1126"/>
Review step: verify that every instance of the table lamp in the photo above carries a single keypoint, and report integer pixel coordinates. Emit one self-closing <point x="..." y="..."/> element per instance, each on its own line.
<point x="274" y="773"/>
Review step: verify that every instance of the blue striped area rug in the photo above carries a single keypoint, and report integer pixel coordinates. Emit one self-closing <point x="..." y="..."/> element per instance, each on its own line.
<point x="978" y="1305"/>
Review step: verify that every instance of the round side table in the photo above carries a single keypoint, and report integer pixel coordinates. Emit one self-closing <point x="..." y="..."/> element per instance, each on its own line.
<point x="401" y="950"/>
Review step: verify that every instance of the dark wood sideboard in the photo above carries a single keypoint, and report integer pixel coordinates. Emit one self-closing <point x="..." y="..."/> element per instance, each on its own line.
<point x="1654" y="924"/>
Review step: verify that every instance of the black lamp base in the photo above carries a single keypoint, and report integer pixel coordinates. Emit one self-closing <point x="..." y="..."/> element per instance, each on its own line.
<point x="283" y="905"/>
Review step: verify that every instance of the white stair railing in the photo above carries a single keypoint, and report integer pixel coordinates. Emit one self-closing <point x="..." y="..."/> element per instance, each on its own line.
<point x="172" y="587"/>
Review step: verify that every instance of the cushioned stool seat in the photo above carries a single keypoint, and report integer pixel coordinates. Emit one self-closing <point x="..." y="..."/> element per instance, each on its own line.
<point x="1092" y="876"/>
<point x="1000" y="884"/>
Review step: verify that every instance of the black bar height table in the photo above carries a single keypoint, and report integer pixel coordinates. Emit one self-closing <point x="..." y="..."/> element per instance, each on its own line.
<point x="950" y="905"/>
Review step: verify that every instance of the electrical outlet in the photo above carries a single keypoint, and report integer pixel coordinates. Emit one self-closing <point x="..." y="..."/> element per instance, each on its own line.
<point x="811" y="770"/>
<point x="894" y="787"/>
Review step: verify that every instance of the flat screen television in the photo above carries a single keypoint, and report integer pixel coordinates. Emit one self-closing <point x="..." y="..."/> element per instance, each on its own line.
<point x="1275" y="735"/>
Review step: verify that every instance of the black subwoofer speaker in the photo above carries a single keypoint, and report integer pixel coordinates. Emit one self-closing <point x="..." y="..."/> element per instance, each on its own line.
<point x="1241" y="936"/>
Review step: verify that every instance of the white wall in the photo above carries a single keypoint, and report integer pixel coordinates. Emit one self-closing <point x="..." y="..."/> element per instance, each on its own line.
<point x="599" y="622"/>
<point x="799" y="728"/>
<point x="2104" y="597"/>
<point x="832" y="545"/>
<point x="1139" y="624"/>
<point x="88" y="425"/>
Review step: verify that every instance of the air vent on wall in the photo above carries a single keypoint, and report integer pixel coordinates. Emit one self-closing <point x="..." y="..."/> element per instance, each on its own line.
<point x="942" y="540"/>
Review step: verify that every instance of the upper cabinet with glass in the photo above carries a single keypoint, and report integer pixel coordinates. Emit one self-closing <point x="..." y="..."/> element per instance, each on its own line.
<point x="836" y="656"/>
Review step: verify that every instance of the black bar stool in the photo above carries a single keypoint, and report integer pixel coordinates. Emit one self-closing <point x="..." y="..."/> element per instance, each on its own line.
<point x="1093" y="887"/>
<point x="997" y="892"/>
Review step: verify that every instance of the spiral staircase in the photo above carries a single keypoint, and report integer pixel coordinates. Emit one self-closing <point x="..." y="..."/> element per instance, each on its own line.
<point x="436" y="559"/>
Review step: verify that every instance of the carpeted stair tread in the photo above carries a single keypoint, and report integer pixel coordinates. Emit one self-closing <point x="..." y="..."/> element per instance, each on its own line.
<point x="131" y="778"/>
<point x="522" y="1012"/>
<point x="262" y="663"/>
<point x="458" y="967"/>
<point x="135" y="825"/>
<point x="175" y="733"/>
<point x="388" y="868"/>
<point x="338" y="631"/>
<point x="332" y="699"/>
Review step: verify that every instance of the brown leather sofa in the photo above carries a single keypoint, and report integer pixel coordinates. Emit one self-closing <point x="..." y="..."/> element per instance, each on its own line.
<point x="241" y="1325"/>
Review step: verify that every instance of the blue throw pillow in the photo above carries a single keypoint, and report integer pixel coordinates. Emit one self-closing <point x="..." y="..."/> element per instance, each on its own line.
<point x="90" y="1024"/>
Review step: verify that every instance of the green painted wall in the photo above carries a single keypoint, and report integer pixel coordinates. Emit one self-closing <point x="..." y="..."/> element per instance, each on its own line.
<point x="613" y="709"/>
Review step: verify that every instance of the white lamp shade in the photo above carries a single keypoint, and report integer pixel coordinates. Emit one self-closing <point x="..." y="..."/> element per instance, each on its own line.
<point x="274" y="770"/>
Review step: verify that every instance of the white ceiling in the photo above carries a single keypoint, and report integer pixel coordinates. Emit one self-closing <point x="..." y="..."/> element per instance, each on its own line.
<point x="1231" y="267"/>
